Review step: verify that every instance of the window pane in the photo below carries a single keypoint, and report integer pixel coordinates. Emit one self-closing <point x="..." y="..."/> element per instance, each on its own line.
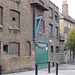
<point x="56" y="32"/>
<point x="56" y="16"/>
<point x="65" y="24"/>
<point x="65" y="36"/>
<point x="71" y="25"/>
<point x="50" y="30"/>
<point x="68" y="25"/>
<point x="51" y="49"/>
<point x="5" y="49"/>
<point x="57" y="49"/>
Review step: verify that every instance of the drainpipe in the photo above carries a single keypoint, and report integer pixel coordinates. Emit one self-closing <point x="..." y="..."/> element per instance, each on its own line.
<point x="59" y="39"/>
<point x="34" y="24"/>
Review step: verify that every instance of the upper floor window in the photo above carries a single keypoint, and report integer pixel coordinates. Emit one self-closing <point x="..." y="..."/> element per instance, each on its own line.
<point x="14" y="19"/>
<point x="51" y="12"/>
<point x="14" y="49"/>
<point x="65" y="23"/>
<point x="56" y="17"/>
<point x="71" y="25"/>
<point x="68" y="25"/>
<point x="1" y="15"/>
<point x="50" y="29"/>
<point x="56" y="32"/>
<point x="41" y="27"/>
<point x="65" y="37"/>
<point x="51" y="49"/>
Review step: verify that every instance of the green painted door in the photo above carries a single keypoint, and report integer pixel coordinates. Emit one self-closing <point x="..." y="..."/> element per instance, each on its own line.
<point x="41" y="54"/>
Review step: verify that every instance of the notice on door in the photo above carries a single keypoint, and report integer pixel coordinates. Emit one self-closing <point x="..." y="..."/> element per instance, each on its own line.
<point x="46" y="48"/>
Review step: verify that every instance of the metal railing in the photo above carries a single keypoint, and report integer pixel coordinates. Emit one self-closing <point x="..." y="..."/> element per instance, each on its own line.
<point x="36" y="67"/>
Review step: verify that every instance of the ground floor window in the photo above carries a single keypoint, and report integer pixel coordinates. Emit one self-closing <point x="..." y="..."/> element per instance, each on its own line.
<point x="57" y="49"/>
<point x="14" y="49"/>
<point x="51" y="49"/>
<point x="27" y="49"/>
<point x="5" y="49"/>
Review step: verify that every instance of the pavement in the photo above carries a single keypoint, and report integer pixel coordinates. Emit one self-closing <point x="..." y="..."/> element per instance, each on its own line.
<point x="64" y="69"/>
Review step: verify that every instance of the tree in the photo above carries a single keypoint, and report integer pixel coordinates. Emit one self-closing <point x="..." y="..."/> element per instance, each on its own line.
<point x="71" y="40"/>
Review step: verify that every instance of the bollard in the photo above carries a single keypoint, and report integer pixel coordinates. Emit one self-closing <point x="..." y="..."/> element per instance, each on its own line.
<point x="56" y="68"/>
<point x="53" y="64"/>
<point x="48" y="67"/>
<point x="0" y="70"/>
<point x="36" y="69"/>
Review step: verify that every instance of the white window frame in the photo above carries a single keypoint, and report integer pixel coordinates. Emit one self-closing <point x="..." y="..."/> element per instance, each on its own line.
<point x="65" y="23"/>
<point x="69" y="25"/>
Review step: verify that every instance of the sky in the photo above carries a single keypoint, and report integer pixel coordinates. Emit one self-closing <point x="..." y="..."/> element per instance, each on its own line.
<point x="71" y="6"/>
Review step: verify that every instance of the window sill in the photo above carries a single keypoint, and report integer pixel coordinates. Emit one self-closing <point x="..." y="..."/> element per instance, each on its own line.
<point x="27" y="56"/>
<point x="52" y="53"/>
<point x="57" y="21"/>
<point x="12" y="28"/>
<point x="57" y="53"/>
<point x="5" y="52"/>
<point x="13" y="56"/>
<point x="51" y="18"/>
<point x="57" y="38"/>
<point x="50" y="35"/>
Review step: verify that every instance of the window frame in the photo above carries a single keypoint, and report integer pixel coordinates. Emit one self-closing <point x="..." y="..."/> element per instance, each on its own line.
<point x="56" y="17"/>
<point x="65" y="23"/>
<point x="69" y="25"/>
<point x="65" y="37"/>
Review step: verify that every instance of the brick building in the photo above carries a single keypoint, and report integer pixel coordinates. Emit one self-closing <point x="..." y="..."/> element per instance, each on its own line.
<point x="66" y="22"/>
<point x="21" y="41"/>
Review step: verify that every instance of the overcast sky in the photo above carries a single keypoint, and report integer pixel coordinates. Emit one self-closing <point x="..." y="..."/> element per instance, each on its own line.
<point x="71" y="6"/>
